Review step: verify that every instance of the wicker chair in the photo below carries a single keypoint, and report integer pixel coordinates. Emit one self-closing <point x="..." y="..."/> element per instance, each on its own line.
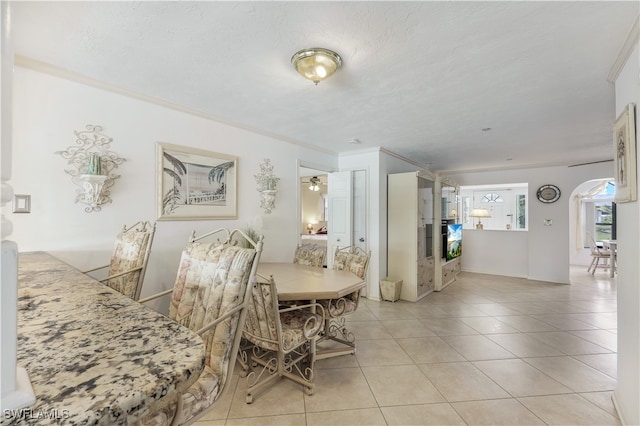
<point x="210" y="296"/>
<point x="129" y="259"/>
<point x="277" y="340"/>
<point x="355" y="260"/>
<point x="310" y="255"/>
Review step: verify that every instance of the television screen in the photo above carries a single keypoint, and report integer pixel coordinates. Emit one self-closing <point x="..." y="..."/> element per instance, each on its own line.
<point x="454" y="240"/>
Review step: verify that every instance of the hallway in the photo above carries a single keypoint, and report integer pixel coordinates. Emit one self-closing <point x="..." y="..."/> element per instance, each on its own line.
<point x="487" y="350"/>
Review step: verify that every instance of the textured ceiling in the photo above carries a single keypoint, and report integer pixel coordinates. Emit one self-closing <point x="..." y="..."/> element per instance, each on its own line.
<point x="421" y="79"/>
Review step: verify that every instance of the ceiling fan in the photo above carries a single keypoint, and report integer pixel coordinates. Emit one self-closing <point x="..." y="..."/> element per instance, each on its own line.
<point x="314" y="183"/>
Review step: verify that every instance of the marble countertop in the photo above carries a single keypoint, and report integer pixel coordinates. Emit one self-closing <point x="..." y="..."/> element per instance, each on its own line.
<point x="93" y="355"/>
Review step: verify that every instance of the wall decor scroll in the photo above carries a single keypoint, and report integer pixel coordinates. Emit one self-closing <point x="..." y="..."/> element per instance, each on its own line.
<point x="624" y="145"/>
<point x="267" y="183"/>
<point x="93" y="167"/>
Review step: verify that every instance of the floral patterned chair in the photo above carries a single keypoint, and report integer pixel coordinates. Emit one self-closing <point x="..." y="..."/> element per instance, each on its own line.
<point x="277" y="340"/>
<point x="129" y="259"/>
<point x="355" y="260"/>
<point x="210" y="296"/>
<point x="310" y="255"/>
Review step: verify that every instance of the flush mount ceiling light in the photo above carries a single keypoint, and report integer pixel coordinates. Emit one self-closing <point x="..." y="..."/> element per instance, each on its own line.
<point x="316" y="64"/>
<point x="314" y="184"/>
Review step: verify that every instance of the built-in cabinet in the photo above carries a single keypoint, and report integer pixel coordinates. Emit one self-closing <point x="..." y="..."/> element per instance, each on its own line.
<point x="419" y="211"/>
<point x="410" y="238"/>
<point x="447" y="269"/>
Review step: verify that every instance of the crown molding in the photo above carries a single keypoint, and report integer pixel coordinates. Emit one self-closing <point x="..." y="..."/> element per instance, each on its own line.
<point x="623" y="56"/>
<point x="55" y="71"/>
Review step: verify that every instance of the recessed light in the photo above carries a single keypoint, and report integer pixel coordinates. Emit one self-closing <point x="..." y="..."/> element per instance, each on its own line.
<point x="486" y="129"/>
<point x="354" y="141"/>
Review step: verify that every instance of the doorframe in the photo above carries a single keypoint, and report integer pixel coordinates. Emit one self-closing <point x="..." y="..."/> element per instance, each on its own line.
<point x="307" y="165"/>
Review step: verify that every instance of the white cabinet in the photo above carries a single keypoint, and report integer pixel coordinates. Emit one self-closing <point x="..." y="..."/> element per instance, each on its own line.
<point x="448" y="264"/>
<point x="410" y="220"/>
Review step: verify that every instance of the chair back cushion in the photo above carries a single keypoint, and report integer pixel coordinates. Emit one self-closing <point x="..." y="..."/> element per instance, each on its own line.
<point x="261" y="325"/>
<point x="352" y="259"/>
<point x="212" y="279"/>
<point x="358" y="264"/>
<point x="129" y="252"/>
<point x="310" y="255"/>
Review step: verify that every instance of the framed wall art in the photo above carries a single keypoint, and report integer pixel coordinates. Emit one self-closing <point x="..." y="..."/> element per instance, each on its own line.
<point x="194" y="184"/>
<point x="624" y="143"/>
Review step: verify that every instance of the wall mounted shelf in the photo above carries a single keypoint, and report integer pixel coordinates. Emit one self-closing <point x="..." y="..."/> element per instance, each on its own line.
<point x="92" y="167"/>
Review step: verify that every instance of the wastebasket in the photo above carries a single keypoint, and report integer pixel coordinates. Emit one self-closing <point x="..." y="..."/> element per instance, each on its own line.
<point x="390" y="289"/>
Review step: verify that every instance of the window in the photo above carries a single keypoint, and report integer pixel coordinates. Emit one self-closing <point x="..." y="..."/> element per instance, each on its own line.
<point x="603" y="221"/>
<point x="492" y="198"/>
<point x="597" y="213"/>
<point x="507" y="204"/>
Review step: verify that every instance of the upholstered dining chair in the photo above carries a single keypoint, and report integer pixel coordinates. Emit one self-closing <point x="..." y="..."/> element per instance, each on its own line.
<point x="310" y="255"/>
<point x="356" y="261"/>
<point x="210" y="296"/>
<point x="277" y="340"/>
<point x="129" y="259"/>
<point x="598" y="254"/>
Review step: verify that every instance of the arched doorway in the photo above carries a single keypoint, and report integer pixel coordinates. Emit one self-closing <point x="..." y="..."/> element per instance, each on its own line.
<point x="591" y="212"/>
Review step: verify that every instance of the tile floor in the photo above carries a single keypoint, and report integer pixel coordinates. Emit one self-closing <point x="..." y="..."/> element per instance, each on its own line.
<point x="488" y="350"/>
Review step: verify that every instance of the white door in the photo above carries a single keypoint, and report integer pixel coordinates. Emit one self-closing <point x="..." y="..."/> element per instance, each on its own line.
<point x="340" y="213"/>
<point x="360" y="209"/>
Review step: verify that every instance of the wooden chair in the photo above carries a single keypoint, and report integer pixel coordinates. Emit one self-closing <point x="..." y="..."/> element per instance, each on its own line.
<point x="129" y="259"/>
<point x="210" y="296"/>
<point x="598" y="254"/>
<point x="310" y="255"/>
<point x="278" y="340"/>
<point x="355" y="260"/>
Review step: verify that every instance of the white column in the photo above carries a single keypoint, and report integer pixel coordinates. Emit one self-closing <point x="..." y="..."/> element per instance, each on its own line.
<point x="15" y="387"/>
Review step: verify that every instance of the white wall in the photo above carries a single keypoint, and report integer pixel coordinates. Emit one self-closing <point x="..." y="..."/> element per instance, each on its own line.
<point x="47" y="111"/>
<point x="627" y="394"/>
<point x="495" y="252"/>
<point x="546" y="253"/>
<point x="377" y="164"/>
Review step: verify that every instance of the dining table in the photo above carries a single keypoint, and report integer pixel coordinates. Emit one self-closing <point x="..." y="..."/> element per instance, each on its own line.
<point x="301" y="282"/>
<point x="93" y="355"/>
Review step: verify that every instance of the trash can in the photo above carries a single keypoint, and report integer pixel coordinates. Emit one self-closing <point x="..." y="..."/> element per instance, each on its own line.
<point x="390" y="289"/>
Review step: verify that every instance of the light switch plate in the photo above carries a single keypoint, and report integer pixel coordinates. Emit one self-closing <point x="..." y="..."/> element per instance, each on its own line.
<point x="21" y="203"/>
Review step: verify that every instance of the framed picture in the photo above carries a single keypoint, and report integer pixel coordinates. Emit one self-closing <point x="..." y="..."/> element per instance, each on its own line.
<point x="624" y="143"/>
<point x="194" y="184"/>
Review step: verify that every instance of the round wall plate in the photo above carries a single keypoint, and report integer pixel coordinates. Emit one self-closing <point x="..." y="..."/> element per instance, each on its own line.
<point x="548" y="193"/>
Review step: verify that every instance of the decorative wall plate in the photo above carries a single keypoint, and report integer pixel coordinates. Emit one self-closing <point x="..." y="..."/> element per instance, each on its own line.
<point x="548" y="193"/>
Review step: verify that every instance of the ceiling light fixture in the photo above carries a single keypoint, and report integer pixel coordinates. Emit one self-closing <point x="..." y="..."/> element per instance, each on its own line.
<point x="314" y="181"/>
<point x="316" y="64"/>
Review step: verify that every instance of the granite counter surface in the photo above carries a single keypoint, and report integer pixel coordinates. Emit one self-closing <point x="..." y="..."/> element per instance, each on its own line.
<point x="93" y="355"/>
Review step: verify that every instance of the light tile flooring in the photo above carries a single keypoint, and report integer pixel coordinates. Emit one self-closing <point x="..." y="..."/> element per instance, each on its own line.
<point x="488" y="350"/>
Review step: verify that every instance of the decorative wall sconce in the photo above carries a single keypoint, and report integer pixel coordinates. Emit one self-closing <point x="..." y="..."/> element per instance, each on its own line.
<point x="92" y="167"/>
<point x="267" y="183"/>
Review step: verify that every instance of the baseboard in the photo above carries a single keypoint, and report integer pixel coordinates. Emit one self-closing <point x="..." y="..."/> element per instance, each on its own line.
<point x="502" y="274"/>
<point x="616" y="406"/>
